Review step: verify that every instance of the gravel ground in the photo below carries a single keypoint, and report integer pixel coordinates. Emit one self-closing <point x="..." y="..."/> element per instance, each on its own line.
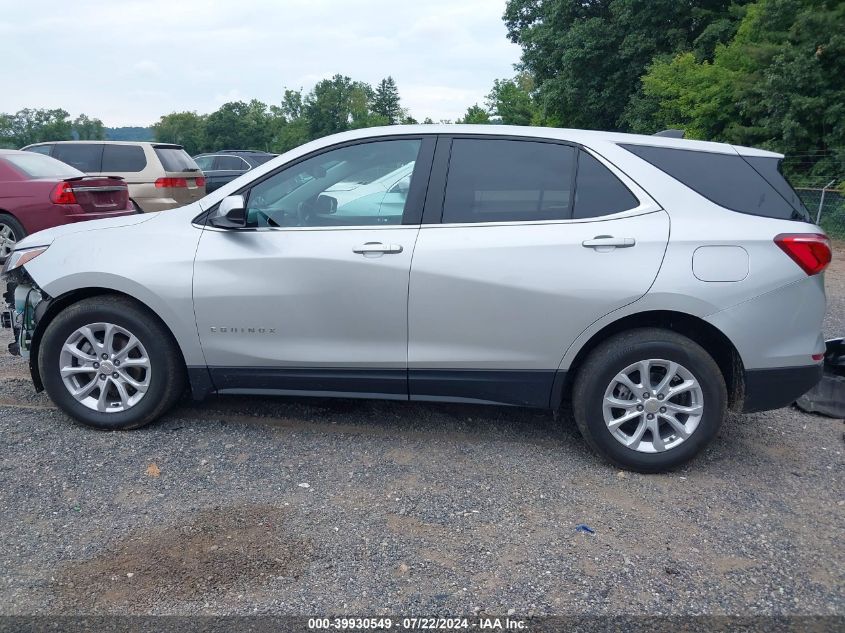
<point x="288" y="506"/>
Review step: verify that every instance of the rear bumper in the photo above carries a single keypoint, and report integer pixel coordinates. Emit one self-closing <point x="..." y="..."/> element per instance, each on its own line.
<point x="773" y="388"/>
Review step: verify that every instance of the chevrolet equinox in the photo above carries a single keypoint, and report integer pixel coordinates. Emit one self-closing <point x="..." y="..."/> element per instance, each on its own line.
<point x="648" y="283"/>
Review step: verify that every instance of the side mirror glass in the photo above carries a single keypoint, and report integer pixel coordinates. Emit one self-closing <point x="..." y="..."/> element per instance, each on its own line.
<point x="230" y="213"/>
<point x="325" y="205"/>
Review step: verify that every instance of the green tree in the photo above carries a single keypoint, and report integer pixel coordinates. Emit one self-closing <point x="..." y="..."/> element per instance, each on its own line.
<point x="88" y="129"/>
<point x="34" y="126"/>
<point x="336" y="105"/>
<point x="476" y="114"/>
<point x="511" y="102"/>
<point x="587" y="55"/>
<point x="183" y="128"/>
<point x="240" y="125"/>
<point x="386" y="102"/>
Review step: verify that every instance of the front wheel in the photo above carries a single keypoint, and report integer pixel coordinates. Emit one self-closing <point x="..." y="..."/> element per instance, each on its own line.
<point x="649" y="399"/>
<point x="110" y="364"/>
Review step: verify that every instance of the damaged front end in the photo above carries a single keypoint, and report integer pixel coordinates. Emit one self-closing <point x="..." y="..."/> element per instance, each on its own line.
<point x="25" y="305"/>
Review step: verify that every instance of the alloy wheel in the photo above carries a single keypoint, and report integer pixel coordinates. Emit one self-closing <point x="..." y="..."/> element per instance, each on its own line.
<point x="105" y="367"/>
<point x="7" y="240"/>
<point x="653" y="405"/>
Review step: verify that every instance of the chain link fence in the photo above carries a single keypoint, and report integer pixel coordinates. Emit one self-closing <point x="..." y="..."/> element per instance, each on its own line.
<point x="826" y="207"/>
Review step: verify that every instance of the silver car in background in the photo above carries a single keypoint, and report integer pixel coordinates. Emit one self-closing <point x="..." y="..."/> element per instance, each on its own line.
<point x="648" y="283"/>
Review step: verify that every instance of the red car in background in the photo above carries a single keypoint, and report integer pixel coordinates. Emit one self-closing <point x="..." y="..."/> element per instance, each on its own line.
<point x="38" y="192"/>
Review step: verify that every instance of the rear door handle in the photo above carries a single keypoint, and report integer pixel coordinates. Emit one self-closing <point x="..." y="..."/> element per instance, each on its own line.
<point x="377" y="247"/>
<point x="600" y="241"/>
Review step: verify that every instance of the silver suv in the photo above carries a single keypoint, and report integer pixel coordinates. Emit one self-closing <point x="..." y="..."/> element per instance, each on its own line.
<point x="648" y="283"/>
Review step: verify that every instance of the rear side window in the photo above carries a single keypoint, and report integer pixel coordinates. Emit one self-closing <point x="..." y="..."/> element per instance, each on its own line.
<point x="598" y="192"/>
<point x="725" y="179"/>
<point x="231" y="163"/>
<point x="175" y="159"/>
<point x="493" y="180"/>
<point x="38" y="166"/>
<point x="86" y="157"/>
<point x="123" y="158"/>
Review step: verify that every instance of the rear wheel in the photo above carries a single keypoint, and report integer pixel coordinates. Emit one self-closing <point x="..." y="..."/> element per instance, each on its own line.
<point x="649" y="399"/>
<point x="11" y="232"/>
<point x="110" y="364"/>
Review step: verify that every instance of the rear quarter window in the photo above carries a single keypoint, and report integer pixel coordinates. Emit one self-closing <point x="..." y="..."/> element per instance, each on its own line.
<point x="175" y="159"/>
<point x="725" y="179"/>
<point x="123" y="158"/>
<point x="86" y="157"/>
<point x="598" y="192"/>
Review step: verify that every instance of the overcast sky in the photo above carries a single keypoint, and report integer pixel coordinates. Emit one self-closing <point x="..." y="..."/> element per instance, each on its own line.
<point x="128" y="62"/>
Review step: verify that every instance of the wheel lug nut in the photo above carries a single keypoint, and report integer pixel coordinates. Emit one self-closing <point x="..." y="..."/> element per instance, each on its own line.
<point x="662" y="409"/>
<point x="114" y="375"/>
<point x="96" y="365"/>
<point x="102" y="376"/>
<point x="105" y="356"/>
<point x="660" y="396"/>
<point x="639" y="407"/>
<point x="650" y="416"/>
<point x="117" y="363"/>
<point x="646" y="395"/>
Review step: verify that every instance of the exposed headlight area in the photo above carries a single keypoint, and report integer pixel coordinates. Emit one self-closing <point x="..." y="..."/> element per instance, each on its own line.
<point x="18" y="258"/>
<point x="22" y="298"/>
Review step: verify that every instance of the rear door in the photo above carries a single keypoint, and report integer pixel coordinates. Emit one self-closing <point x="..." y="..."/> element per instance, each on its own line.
<point x="184" y="182"/>
<point x="313" y="296"/>
<point x="524" y="244"/>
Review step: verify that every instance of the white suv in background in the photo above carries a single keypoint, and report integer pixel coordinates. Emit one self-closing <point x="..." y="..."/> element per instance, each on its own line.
<point x="651" y="282"/>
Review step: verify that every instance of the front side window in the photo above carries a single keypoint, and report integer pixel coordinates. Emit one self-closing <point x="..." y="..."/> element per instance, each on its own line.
<point x="493" y="180"/>
<point x="205" y="163"/>
<point x="356" y="185"/>
<point x="86" y="157"/>
<point x="40" y="149"/>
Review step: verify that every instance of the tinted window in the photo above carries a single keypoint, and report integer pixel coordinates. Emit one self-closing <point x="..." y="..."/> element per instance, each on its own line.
<point x="260" y="159"/>
<point x="85" y="157"/>
<point x="725" y="179"/>
<point x="40" y="149"/>
<point x="507" y="181"/>
<point x="206" y="163"/>
<point x="231" y="163"/>
<point x="123" y="158"/>
<point x="342" y="187"/>
<point x="38" y="166"/>
<point x="597" y="191"/>
<point x="770" y="169"/>
<point x="175" y="159"/>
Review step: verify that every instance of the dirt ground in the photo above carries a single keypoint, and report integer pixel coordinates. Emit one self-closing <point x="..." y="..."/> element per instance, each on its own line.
<point x="297" y="506"/>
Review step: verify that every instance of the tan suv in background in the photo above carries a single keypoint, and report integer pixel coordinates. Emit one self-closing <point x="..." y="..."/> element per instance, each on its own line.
<point x="160" y="175"/>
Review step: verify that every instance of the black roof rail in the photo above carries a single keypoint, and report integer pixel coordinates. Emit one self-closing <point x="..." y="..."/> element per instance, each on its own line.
<point x="671" y="133"/>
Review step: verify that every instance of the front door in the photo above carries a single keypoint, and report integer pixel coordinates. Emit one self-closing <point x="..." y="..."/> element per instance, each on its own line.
<point x="312" y="296"/>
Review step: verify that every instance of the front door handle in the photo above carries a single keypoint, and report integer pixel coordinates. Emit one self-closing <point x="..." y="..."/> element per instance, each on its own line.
<point x="608" y="241"/>
<point x="377" y="247"/>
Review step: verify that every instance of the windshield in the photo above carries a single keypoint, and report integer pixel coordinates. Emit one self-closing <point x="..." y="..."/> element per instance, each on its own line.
<point x="39" y="166"/>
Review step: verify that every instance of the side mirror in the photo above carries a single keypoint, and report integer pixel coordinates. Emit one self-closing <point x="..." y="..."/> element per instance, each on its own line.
<point x="230" y="213"/>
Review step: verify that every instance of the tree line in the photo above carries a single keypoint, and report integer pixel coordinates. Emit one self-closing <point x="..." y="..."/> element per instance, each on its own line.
<point x="767" y="73"/>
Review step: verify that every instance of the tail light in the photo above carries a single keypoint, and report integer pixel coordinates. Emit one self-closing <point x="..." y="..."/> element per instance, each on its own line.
<point x="811" y="251"/>
<point x="62" y="193"/>
<point x="200" y="182"/>
<point x="171" y="183"/>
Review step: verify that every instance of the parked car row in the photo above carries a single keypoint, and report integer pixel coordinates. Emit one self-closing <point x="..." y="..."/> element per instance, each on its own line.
<point x="160" y="176"/>
<point x="120" y="177"/>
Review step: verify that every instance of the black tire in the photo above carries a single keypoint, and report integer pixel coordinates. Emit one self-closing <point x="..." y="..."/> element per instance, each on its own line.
<point x="18" y="232"/>
<point x="167" y="378"/>
<point x="615" y="354"/>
